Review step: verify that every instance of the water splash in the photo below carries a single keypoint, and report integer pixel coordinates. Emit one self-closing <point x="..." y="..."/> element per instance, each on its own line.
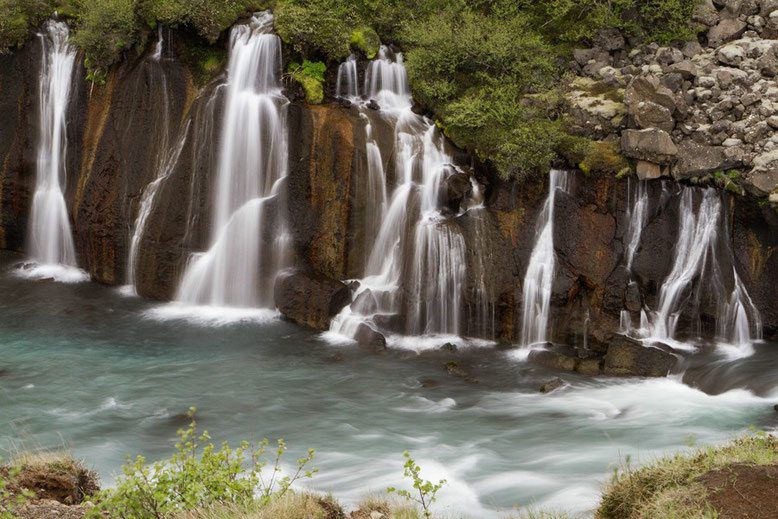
<point x="239" y="267"/>
<point x="50" y="240"/>
<point x="539" y="279"/>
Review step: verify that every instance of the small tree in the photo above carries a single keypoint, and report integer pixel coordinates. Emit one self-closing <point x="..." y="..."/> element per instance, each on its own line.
<point x="426" y="490"/>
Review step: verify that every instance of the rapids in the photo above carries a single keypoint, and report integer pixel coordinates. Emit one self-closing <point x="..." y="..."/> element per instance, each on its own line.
<point x="500" y="443"/>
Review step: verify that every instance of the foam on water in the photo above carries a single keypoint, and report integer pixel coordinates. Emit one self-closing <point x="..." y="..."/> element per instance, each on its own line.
<point x="211" y="315"/>
<point x="55" y="272"/>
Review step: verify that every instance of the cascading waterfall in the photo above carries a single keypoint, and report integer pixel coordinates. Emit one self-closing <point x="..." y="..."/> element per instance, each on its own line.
<point x="50" y="240"/>
<point x="637" y="217"/>
<point x="347" y="84"/>
<point x="539" y="279"/>
<point x="239" y="268"/>
<point x="696" y="272"/>
<point x="416" y="264"/>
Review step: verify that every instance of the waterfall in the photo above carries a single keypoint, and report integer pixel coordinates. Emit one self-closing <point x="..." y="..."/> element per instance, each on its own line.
<point x="239" y="267"/>
<point x="637" y="215"/>
<point x="50" y="240"/>
<point x="416" y="264"/>
<point x="347" y="84"/>
<point x="697" y="273"/>
<point x="538" y="282"/>
<point x="166" y="159"/>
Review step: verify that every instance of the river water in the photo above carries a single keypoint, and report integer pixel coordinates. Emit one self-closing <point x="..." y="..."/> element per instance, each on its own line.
<point x="85" y="367"/>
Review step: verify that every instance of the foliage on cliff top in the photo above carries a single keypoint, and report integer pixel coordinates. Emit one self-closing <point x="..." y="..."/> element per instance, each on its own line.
<point x="488" y="69"/>
<point x="671" y="487"/>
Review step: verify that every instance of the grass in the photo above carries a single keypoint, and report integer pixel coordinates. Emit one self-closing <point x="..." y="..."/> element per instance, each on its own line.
<point x="291" y="505"/>
<point x="669" y="487"/>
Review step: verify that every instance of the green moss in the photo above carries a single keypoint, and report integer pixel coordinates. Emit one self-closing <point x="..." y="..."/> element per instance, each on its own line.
<point x="206" y="62"/>
<point x="366" y="40"/>
<point x="604" y="156"/>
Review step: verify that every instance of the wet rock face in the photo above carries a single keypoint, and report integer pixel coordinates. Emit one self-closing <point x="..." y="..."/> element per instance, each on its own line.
<point x="310" y="300"/>
<point x="627" y="357"/>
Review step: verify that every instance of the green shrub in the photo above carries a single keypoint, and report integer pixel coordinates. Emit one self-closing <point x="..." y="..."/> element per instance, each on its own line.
<point x="208" y="17"/>
<point x="366" y="40"/>
<point x="424" y="491"/>
<point x="16" y="18"/>
<point x="310" y="75"/>
<point x="191" y="480"/>
<point x="105" y="29"/>
<point x="316" y="26"/>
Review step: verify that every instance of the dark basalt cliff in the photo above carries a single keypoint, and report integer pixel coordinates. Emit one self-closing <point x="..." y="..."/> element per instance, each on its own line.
<point x="150" y="114"/>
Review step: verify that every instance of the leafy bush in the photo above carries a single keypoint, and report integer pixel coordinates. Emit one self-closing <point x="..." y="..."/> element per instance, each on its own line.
<point x="16" y="17"/>
<point x="310" y="75"/>
<point x="208" y="17"/>
<point x="366" y="40"/>
<point x="191" y="481"/>
<point x="425" y="491"/>
<point x="105" y="29"/>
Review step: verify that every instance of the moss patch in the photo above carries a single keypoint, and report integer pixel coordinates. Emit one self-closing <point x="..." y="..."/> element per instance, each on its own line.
<point x="366" y="40"/>
<point x="604" y="156"/>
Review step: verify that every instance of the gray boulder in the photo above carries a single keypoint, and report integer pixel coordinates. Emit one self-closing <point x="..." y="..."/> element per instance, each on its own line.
<point x="627" y="357"/>
<point x="648" y="114"/>
<point x="696" y="160"/>
<point x="726" y="30"/>
<point x="652" y="145"/>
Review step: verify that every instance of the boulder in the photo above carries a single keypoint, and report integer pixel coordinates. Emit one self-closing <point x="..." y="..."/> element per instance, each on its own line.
<point x="310" y="300"/>
<point x="551" y="385"/>
<point x="553" y="359"/>
<point x="687" y="69"/>
<point x="583" y="56"/>
<point x="705" y="13"/>
<point x="696" y="160"/>
<point x="649" y="88"/>
<point x="370" y="338"/>
<point x="652" y="145"/>
<point x="454" y="190"/>
<point x="732" y="54"/>
<point x="609" y="39"/>
<point x="627" y="357"/>
<point x="652" y="115"/>
<point x="763" y="178"/>
<point x="726" y="30"/>
<point x="648" y="170"/>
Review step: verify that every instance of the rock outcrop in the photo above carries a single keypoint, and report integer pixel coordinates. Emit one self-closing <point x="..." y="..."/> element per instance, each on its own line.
<point x="310" y="300"/>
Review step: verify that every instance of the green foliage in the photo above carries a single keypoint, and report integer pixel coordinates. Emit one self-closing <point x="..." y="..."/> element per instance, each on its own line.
<point x="206" y="61"/>
<point x="316" y="26"/>
<point x="16" y="17"/>
<point x="11" y="498"/>
<point x="310" y="75"/>
<point x="366" y="40"/>
<point x="191" y="480"/>
<point x="105" y="29"/>
<point x="208" y="17"/>
<point x="425" y="491"/>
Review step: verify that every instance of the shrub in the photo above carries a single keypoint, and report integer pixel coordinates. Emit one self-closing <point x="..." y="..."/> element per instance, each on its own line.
<point x="16" y="17"/>
<point x="190" y="481"/>
<point x="105" y="29"/>
<point x="425" y="491"/>
<point x="316" y="26"/>
<point x="310" y="76"/>
<point x="366" y="40"/>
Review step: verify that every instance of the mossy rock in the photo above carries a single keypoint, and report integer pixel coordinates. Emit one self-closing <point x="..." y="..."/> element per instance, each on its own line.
<point x="604" y="156"/>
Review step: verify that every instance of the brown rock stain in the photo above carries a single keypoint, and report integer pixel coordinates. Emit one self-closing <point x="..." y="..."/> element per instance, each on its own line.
<point x="99" y="105"/>
<point x="332" y="156"/>
<point x="510" y="223"/>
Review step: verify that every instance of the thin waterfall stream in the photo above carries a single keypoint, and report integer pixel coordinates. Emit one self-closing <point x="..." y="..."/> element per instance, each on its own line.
<point x="539" y="279"/>
<point x="50" y="239"/>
